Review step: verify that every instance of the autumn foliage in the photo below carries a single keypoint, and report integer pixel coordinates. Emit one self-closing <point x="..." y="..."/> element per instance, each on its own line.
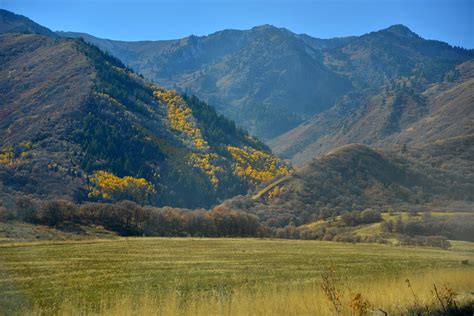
<point x="110" y="187"/>
<point x="180" y="116"/>
<point x="256" y="165"/>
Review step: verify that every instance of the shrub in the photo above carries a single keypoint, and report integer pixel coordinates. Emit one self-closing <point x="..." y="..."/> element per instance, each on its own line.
<point x="26" y="209"/>
<point x="56" y="211"/>
<point x="367" y="216"/>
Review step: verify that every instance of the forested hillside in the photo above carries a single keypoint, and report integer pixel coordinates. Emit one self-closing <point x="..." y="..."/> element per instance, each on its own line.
<point x="75" y="122"/>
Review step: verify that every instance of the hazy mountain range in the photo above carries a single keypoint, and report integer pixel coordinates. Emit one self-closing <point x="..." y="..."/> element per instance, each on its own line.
<point x="69" y="110"/>
<point x="269" y="80"/>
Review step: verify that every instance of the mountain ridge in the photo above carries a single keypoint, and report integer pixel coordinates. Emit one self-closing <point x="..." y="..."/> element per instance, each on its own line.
<point x="392" y="116"/>
<point x="269" y="80"/>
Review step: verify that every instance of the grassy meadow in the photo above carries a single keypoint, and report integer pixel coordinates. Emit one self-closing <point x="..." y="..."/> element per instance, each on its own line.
<point x="193" y="276"/>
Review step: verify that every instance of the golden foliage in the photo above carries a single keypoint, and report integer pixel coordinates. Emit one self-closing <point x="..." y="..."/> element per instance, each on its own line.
<point x="256" y="165"/>
<point x="7" y="157"/>
<point x="208" y="163"/>
<point x="11" y="157"/>
<point x="180" y="116"/>
<point x="109" y="186"/>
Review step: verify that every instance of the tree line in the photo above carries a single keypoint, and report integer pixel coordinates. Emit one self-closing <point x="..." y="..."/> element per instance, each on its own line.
<point x="130" y="219"/>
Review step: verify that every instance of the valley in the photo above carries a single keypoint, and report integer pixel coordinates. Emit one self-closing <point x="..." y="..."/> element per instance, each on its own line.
<point x="251" y="171"/>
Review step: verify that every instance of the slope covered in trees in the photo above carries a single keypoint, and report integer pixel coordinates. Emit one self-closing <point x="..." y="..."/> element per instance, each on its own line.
<point x="76" y="122"/>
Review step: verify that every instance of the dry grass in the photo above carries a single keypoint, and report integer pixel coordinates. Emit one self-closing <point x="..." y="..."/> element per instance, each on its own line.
<point x="172" y="276"/>
<point x="389" y="294"/>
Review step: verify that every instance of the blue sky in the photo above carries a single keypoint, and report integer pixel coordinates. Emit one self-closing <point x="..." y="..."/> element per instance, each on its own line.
<point x="447" y="20"/>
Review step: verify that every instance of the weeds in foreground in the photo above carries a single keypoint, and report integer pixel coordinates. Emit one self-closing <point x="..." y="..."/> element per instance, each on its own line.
<point x="333" y="294"/>
<point x="443" y="299"/>
<point x="359" y="305"/>
<point x="446" y="297"/>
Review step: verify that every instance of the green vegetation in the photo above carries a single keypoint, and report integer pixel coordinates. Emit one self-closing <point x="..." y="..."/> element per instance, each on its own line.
<point x="208" y="274"/>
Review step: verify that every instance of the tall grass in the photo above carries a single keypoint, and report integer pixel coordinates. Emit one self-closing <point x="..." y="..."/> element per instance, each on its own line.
<point x="392" y="295"/>
<point x="193" y="276"/>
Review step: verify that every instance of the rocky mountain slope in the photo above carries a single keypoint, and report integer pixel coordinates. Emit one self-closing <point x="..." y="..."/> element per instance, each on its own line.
<point x="269" y="79"/>
<point x="395" y="115"/>
<point x="75" y="122"/>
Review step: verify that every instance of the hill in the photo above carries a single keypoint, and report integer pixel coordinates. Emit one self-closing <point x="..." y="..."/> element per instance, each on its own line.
<point x="76" y="123"/>
<point x="270" y="80"/>
<point x="356" y="177"/>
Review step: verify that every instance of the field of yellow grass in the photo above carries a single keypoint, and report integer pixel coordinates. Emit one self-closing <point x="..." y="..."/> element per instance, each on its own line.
<point x="191" y="276"/>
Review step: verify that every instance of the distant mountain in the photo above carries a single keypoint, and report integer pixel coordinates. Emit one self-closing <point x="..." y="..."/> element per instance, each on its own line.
<point x="269" y="79"/>
<point x="356" y="177"/>
<point x="76" y="123"/>
<point x="11" y="22"/>
<point x="400" y="113"/>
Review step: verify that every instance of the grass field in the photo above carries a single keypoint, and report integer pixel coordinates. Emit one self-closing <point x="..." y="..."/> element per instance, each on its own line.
<point x="222" y="276"/>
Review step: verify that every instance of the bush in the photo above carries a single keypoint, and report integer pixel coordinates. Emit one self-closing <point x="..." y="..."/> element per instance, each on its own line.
<point x="26" y="209"/>
<point x="367" y="216"/>
<point x="54" y="212"/>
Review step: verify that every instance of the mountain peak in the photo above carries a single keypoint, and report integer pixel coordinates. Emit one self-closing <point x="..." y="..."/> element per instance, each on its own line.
<point x="268" y="28"/>
<point x="400" y="30"/>
<point x="265" y="27"/>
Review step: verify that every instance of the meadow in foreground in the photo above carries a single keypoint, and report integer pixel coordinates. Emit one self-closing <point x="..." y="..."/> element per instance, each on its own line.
<point x="169" y="276"/>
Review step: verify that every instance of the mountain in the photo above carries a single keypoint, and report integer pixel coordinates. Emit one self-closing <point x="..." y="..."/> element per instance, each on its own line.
<point x="377" y="58"/>
<point x="11" y="22"/>
<point x="398" y="114"/>
<point x="269" y="80"/>
<point x="356" y="177"/>
<point x="76" y="123"/>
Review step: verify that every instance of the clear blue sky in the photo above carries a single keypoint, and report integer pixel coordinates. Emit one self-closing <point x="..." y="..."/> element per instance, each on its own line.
<point x="447" y="20"/>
